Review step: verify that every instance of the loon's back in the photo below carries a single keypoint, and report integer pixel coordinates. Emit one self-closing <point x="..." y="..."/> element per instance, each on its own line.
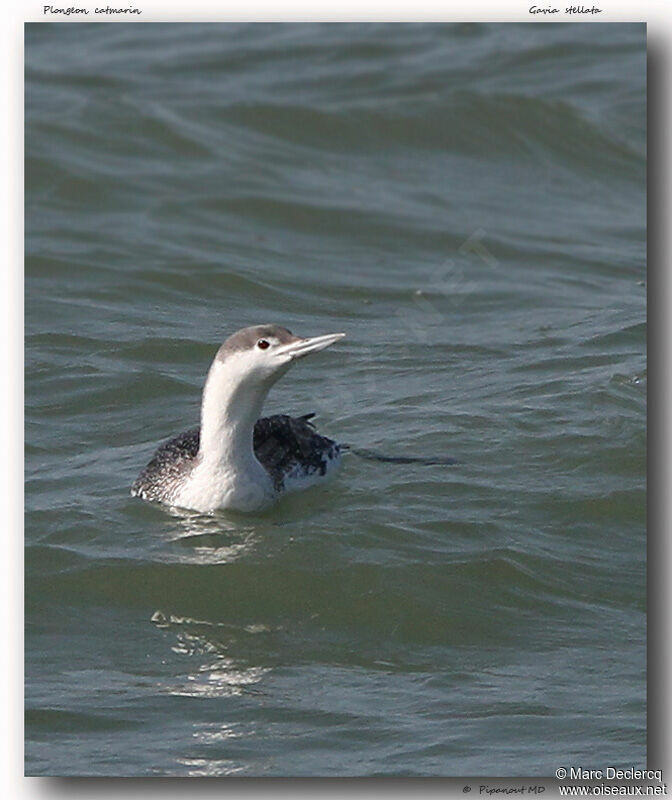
<point x="289" y="448"/>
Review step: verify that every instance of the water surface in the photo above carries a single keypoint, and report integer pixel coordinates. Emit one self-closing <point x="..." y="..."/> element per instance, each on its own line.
<point x="467" y="203"/>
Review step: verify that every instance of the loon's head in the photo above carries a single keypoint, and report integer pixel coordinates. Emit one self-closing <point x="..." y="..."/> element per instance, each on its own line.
<point x="261" y="354"/>
<point x="243" y="371"/>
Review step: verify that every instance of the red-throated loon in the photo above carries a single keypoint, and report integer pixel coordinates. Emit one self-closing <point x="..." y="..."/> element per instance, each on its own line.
<point x="237" y="459"/>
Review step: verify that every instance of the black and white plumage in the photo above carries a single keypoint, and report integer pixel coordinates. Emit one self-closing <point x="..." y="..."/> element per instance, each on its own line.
<point x="237" y="459"/>
<point x="289" y="448"/>
<point x="292" y="451"/>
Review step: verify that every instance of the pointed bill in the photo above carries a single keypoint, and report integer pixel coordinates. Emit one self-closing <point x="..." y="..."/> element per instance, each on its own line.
<point x="303" y="347"/>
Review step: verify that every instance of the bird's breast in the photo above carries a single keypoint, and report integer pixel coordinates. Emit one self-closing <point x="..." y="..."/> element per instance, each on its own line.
<point x="211" y="487"/>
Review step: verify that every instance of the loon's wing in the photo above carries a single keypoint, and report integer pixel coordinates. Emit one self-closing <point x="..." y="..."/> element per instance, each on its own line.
<point x="168" y="467"/>
<point x="292" y="451"/>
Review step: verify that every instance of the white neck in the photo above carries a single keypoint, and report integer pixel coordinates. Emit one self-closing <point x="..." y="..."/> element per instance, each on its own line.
<point x="229" y="410"/>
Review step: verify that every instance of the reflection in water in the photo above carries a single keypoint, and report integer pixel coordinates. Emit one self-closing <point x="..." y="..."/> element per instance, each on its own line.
<point x="205" y="767"/>
<point x="224" y="554"/>
<point x="217" y="676"/>
<point x="220" y="679"/>
<point x="210" y="539"/>
<point x="213" y="672"/>
<point x="221" y="675"/>
<point x="215" y="732"/>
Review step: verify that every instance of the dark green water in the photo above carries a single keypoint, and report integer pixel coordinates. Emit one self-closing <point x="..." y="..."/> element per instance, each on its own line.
<point x="467" y="203"/>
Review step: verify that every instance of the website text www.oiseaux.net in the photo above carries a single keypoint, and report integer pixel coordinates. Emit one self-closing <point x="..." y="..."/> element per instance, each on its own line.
<point x="609" y="789"/>
<point x="602" y="790"/>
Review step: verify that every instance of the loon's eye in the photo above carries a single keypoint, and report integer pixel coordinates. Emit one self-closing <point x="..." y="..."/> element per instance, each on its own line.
<point x="262" y="344"/>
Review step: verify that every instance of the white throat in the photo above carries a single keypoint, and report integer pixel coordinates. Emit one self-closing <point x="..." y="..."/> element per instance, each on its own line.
<point x="230" y="407"/>
<point x="227" y="472"/>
